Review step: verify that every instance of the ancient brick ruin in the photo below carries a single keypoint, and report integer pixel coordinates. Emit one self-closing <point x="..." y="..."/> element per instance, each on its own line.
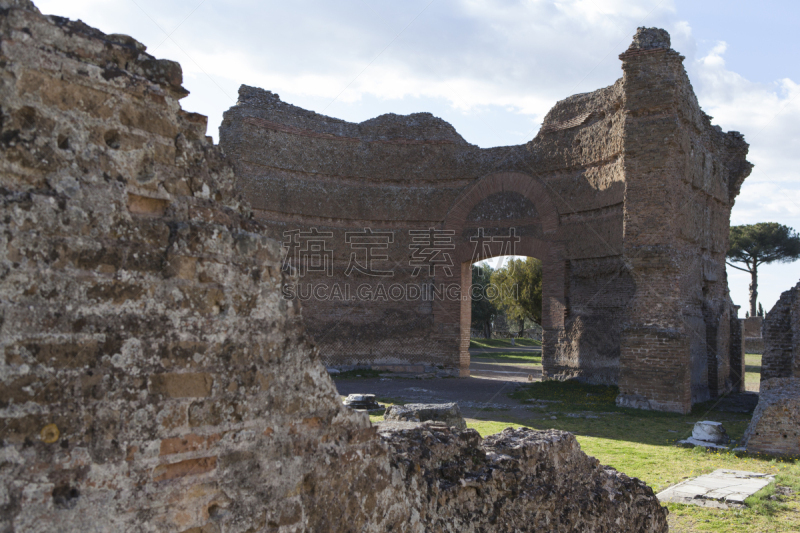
<point x="154" y="379"/>
<point x="625" y="195"/>
<point x="775" y="427"/>
<point x="781" y="331"/>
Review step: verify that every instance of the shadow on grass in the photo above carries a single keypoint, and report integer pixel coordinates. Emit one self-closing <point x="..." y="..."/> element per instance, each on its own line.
<point x="590" y="410"/>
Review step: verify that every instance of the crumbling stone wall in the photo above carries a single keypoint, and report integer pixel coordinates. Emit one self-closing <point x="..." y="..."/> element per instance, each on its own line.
<point x="624" y="194"/>
<point x="781" y="330"/>
<point x="153" y="378"/>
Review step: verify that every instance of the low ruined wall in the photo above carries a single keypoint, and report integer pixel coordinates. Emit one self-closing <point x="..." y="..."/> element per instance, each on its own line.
<point x="152" y="377"/>
<point x="496" y="485"/>
<point x="775" y="426"/>
<point x="754" y="345"/>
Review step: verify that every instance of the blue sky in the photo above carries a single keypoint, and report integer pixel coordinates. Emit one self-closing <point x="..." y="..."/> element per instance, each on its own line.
<point x="491" y="68"/>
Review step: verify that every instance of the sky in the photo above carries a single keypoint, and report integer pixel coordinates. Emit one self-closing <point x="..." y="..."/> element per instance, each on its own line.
<point x="491" y="68"/>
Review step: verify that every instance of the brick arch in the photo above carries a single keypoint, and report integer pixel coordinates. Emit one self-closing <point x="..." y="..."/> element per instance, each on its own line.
<point x="457" y="316"/>
<point x="524" y="184"/>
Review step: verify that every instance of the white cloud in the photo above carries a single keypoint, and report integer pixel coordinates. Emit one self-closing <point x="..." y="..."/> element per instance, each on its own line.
<point x="523" y="55"/>
<point x="769" y="118"/>
<point x="468" y="61"/>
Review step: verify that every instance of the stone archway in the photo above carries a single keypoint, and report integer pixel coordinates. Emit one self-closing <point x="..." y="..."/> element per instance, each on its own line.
<point x="505" y="213"/>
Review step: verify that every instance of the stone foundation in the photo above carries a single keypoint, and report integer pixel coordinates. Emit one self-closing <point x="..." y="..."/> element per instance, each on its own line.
<point x="498" y="484"/>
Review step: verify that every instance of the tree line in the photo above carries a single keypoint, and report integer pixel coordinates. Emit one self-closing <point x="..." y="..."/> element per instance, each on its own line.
<point x="512" y="292"/>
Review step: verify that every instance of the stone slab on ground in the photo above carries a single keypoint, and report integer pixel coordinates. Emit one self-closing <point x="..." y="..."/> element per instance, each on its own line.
<point x="691" y="441"/>
<point x="721" y="488"/>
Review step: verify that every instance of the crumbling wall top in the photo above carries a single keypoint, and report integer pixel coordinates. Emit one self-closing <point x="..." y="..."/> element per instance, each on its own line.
<point x="650" y="38"/>
<point x="416" y="127"/>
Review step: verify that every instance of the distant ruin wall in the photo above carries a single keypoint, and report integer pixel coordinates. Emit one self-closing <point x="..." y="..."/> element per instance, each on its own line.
<point x="402" y="176"/>
<point x="152" y="376"/>
<point x="754" y="342"/>
<point x="738" y="371"/>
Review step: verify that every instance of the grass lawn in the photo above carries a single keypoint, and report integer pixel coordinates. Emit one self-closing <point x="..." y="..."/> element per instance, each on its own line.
<point x="642" y="444"/>
<point x="530" y="358"/>
<point x="502" y="343"/>
<point x="752" y="369"/>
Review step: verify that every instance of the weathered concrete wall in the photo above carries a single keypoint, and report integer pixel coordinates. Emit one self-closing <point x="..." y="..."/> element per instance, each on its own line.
<point x="781" y="331"/>
<point x="153" y="379"/>
<point x="624" y="194"/>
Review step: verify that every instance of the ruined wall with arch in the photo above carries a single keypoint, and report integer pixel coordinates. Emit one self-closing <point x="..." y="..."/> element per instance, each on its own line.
<point x="624" y="195"/>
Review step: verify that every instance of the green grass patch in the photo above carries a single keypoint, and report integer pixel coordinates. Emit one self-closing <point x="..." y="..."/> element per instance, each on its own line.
<point x="752" y="368"/>
<point x="502" y="343"/>
<point x="642" y="444"/>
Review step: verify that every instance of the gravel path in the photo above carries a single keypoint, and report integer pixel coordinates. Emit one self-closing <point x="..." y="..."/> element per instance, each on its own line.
<point x="472" y="394"/>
